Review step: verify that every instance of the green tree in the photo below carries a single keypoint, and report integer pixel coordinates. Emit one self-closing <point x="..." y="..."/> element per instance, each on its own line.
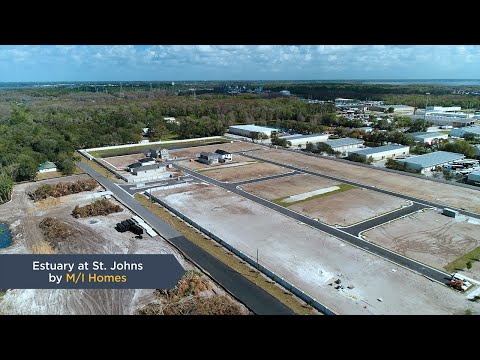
<point x="65" y="164"/>
<point x="461" y="147"/>
<point x="6" y="187"/>
<point x="324" y="148"/>
<point x="470" y="137"/>
<point x="447" y="174"/>
<point x="357" y="158"/>
<point x="469" y="264"/>
<point x="370" y="159"/>
<point x="309" y="147"/>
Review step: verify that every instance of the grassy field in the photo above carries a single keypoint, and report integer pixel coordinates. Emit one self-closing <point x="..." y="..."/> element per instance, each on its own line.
<point x="227" y="258"/>
<point x="101" y="170"/>
<point x="140" y="148"/>
<point x="461" y="262"/>
<point x="343" y="187"/>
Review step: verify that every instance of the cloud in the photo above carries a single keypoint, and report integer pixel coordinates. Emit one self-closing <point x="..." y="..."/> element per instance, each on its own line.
<point x="158" y="62"/>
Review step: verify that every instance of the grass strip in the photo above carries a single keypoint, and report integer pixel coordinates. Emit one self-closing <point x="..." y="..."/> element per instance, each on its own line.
<point x="461" y="262"/>
<point x="343" y="187"/>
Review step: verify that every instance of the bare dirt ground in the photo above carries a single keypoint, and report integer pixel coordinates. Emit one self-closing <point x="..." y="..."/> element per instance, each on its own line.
<point x="287" y="186"/>
<point x="312" y="260"/>
<point x="245" y="172"/>
<point x="429" y="237"/>
<point x="193" y="152"/>
<point x="349" y="207"/>
<point x="121" y="162"/>
<point x="448" y="195"/>
<point x="196" y="165"/>
<point x="96" y="235"/>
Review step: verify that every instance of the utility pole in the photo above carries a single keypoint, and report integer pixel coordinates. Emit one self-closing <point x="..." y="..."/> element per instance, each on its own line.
<point x="257" y="263"/>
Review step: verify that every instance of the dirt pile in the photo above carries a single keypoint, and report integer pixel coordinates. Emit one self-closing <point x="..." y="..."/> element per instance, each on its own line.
<point x="99" y="207"/>
<point x="190" y="297"/>
<point x="55" y="230"/>
<point x="62" y="189"/>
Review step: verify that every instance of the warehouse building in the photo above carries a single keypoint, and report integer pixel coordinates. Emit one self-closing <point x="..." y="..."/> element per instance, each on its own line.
<point x="383" y="152"/>
<point x="246" y="130"/>
<point x="466" y="130"/>
<point x="428" y="137"/>
<point x="344" y="144"/>
<point x="474" y="177"/>
<point x="296" y="140"/>
<point x="397" y="109"/>
<point x="427" y="162"/>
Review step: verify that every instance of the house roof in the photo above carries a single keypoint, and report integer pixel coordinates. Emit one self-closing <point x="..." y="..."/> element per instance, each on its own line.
<point x="148" y="159"/>
<point x="47" y="165"/>
<point x="150" y="167"/>
<point x="134" y="165"/>
<point x="426" y="135"/>
<point x="300" y="136"/>
<point x="432" y="159"/>
<point x="343" y="142"/>
<point x="209" y="155"/>
<point x="379" y="149"/>
<point x="222" y="152"/>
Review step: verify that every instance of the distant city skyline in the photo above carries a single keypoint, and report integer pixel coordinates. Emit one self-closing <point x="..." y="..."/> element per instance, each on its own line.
<point x="43" y="63"/>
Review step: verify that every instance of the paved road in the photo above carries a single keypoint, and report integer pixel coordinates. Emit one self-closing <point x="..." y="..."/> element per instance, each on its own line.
<point x="356" y="229"/>
<point x="265" y="178"/>
<point x="406" y="197"/>
<point x="354" y="240"/>
<point x="255" y="298"/>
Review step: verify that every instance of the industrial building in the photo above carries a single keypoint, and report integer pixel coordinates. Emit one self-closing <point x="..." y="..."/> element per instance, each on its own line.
<point x="346" y="102"/>
<point x="344" y="144"/>
<point x="296" y="140"/>
<point x="246" y="130"/>
<point x="224" y="156"/>
<point x="466" y="130"/>
<point x="209" y="158"/>
<point x="383" y="152"/>
<point x="397" y="109"/>
<point x="430" y="161"/>
<point x="47" y="166"/>
<point x="445" y="116"/>
<point x="428" y="137"/>
<point x="474" y="177"/>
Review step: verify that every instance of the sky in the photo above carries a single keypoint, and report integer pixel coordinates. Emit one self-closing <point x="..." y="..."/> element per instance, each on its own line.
<point x="39" y="63"/>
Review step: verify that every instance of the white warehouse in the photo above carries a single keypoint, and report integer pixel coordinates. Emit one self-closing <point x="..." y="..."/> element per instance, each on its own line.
<point x="428" y="137"/>
<point x="384" y="152"/>
<point x="296" y="140"/>
<point x="246" y="130"/>
<point x="429" y="161"/>
<point x="466" y="130"/>
<point x="474" y="177"/>
<point x="344" y="144"/>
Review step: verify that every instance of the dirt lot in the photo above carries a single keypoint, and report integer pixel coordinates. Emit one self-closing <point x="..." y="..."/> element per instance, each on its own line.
<point x="312" y="260"/>
<point x="429" y="237"/>
<point x="192" y="152"/>
<point x="245" y="172"/>
<point x="446" y="194"/>
<point x="95" y="235"/>
<point x="349" y="207"/>
<point x="121" y="162"/>
<point x="287" y="186"/>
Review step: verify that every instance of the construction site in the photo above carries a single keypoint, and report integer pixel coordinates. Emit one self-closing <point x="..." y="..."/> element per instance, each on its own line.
<point x="84" y="223"/>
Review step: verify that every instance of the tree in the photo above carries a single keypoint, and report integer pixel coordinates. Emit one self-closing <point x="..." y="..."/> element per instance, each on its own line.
<point x="390" y="110"/>
<point x="65" y="164"/>
<point x="370" y="159"/>
<point x="324" y="148"/>
<point x="447" y="174"/>
<point x="419" y="125"/>
<point x="461" y="147"/>
<point x="6" y="187"/>
<point x="309" y="147"/>
<point x="470" y="137"/>
<point x="263" y="136"/>
<point x="157" y="132"/>
<point x="255" y="135"/>
<point x="469" y="264"/>
<point x="357" y="158"/>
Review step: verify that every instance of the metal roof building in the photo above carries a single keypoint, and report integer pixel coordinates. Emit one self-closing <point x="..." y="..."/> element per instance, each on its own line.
<point x="474" y="177"/>
<point x="303" y="139"/>
<point x="428" y="137"/>
<point x="384" y="152"/>
<point x="429" y="161"/>
<point x="344" y="144"/>
<point x="245" y="130"/>
<point x="466" y="130"/>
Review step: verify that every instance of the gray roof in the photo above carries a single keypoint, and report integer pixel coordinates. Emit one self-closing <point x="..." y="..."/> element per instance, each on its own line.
<point x="300" y="136"/>
<point x="343" y="142"/>
<point x="424" y="135"/>
<point x="148" y="159"/>
<point x="148" y="167"/>
<point x="209" y="155"/>
<point x="379" y="149"/>
<point x="433" y="159"/>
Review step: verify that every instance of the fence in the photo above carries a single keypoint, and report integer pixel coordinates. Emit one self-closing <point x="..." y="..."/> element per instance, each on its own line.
<point x="278" y="279"/>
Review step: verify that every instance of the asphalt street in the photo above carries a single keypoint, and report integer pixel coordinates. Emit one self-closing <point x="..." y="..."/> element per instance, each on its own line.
<point x="406" y="197"/>
<point x="339" y="233"/>
<point x="254" y="297"/>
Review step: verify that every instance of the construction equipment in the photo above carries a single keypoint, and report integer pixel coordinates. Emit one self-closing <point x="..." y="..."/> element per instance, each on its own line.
<point x="456" y="284"/>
